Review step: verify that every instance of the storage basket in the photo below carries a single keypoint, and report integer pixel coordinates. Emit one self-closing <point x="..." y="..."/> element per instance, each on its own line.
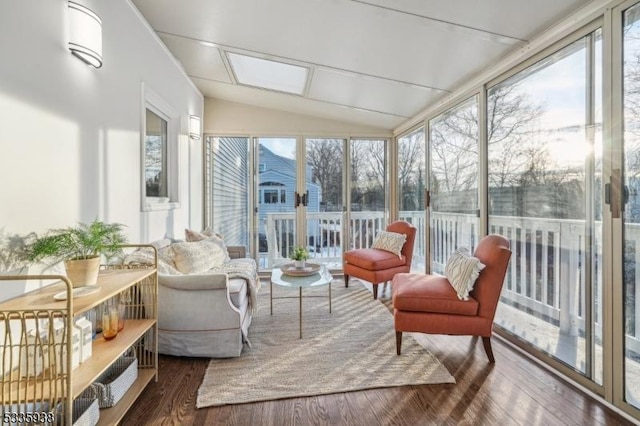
<point x="86" y="412"/>
<point x="114" y="383"/>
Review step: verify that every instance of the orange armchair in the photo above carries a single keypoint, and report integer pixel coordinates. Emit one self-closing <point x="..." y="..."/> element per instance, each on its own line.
<point x="429" y="304"/>
<point x="378" y="266"/>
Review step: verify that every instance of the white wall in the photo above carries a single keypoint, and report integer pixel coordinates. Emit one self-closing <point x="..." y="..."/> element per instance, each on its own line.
<point x="70" y="133"/>
<point x="230" y="118"/>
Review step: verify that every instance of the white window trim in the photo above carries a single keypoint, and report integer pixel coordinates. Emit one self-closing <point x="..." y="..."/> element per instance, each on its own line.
<point x="153" y="102"/>
<point x="280" y="192"/>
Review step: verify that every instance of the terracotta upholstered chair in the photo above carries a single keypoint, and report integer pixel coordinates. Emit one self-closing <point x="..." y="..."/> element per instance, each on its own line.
<point x="429" y="304"/>
<point x="379" y="266"/>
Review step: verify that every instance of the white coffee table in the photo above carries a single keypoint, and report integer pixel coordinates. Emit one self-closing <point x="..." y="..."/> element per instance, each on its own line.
<point x="320" y="278"/>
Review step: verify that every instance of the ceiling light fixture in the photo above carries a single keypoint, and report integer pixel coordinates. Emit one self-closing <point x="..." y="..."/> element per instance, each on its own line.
<point x="85" y="34"/>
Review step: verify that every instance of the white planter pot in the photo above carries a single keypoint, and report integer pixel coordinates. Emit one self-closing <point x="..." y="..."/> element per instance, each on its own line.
<point x="299" y="263"/>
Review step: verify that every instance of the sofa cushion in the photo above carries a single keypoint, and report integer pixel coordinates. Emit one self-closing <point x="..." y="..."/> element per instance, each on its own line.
<point x="373" y="259"/>
<point x="429" y="293"/>
<point x="200" y="256"/>
<point x="238" y="292"/>
<point x="390" y="241"/>
<point x="462" y="271"/>
<point x="165" y="255"/>
<point x="160" y="244"/>
<point x="192" y="235"/>
<point x="145" y="256"/>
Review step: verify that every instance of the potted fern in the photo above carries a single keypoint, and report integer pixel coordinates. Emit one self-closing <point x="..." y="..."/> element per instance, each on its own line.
<point x="299" y="255"/>
<point x="80" y="247"/>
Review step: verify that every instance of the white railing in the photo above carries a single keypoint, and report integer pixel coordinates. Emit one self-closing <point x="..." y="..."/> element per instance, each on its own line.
<point x="324" y="232"/>
<point x="546" y="275"/>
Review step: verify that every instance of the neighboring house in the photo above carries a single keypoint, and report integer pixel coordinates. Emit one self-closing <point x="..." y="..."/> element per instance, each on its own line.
<point x="277" y="187"/>
<point x="230" y="190"/>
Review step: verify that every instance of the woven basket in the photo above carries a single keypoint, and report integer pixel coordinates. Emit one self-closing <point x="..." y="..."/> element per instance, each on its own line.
<point x="114" y="383"/>
<point x="86" y="412"/>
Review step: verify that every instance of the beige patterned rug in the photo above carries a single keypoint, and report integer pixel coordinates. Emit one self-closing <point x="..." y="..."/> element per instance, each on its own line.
<point x="351" y="349"/>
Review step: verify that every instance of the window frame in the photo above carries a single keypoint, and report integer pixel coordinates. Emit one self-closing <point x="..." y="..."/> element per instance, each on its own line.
<point x="279" y="195"/>
<point x="153" y="102"/>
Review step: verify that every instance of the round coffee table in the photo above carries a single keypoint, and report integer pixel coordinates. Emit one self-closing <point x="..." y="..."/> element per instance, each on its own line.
<point x="320" y="278"/>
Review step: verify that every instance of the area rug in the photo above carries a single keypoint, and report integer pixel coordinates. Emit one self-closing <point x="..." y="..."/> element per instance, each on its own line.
<point x="352" y="348"/>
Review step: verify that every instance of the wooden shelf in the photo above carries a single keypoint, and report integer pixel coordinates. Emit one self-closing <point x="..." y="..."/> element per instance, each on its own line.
<point x="140" y="302"/>
<point x="113" y="415"/>
<point x="111" y="283"/>
<point x="104" y="353"/>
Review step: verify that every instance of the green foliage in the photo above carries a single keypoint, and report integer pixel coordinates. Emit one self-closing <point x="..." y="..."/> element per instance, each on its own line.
<point x="83" y="241"/>
<point x="299" y="253"/>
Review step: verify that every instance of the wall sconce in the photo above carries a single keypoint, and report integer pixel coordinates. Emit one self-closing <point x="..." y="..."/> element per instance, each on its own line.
<point x="85" y="34"/>
<point x="194" y="127"/>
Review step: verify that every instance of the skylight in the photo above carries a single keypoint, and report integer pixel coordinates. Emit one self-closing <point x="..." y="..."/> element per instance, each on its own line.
<point x="268" y="74"/>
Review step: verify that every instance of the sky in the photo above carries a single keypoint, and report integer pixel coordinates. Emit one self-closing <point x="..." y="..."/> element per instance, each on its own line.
<point x="285" y="147"/>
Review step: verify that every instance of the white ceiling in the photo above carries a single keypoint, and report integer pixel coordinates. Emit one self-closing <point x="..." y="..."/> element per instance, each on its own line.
<point x="373" y="62"/>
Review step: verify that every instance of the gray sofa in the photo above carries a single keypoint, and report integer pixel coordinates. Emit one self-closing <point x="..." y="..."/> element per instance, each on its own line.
<point x="205" y="314"/>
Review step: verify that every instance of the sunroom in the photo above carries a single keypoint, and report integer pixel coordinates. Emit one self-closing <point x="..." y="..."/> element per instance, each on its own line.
<point x="317" y="123"/>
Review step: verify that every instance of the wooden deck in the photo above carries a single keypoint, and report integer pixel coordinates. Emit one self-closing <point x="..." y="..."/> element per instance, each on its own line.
<point x="512" y="391"/>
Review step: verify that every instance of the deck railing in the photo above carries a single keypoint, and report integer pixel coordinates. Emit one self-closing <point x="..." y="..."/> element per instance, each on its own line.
<point x="546" y="275"/>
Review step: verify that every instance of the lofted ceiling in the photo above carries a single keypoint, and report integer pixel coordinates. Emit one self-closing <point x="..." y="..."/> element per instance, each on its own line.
<point x="373" y="62"/>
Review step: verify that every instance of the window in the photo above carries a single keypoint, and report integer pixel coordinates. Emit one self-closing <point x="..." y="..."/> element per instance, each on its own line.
<point x="155" y="156"/>
<point x="159" y="154"/>
<point x="454" y="161"/>
<point x="411" y="185"/>
<point x="227" y="188"/>
<point x="272" y="195"/>
<point x="545" y="179"/>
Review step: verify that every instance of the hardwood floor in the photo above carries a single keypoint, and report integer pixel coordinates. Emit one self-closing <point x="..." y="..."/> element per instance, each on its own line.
<point x="512" y="391"/>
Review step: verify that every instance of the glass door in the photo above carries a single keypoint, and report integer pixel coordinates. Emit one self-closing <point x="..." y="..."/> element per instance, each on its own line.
<point x="411" y="191"/>
<point x="278" y="198"/>
<point x="326" y="206"/>
<point x="544" y="126"/>
<point x="367" y="211"/>
<point x="629" y="210"/>
<point x="453" y="182"/>
<point x="227" y="188"/>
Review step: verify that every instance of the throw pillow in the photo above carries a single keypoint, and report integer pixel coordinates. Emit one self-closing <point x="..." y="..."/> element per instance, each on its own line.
<point x="165" y="255"/>
<point x="390" y="241"/>
<point x="160" y="244"/>
<point x="200" y="256"/>
<point x="191" y="235"/>
<point x="462" y="270"/>
<point x="145" y="257"/>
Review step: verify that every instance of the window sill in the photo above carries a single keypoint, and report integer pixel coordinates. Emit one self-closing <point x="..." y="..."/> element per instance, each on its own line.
<point x="154" y="204"/>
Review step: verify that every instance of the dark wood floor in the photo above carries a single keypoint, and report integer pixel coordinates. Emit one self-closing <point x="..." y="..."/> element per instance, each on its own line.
<point x="512" y="391"/>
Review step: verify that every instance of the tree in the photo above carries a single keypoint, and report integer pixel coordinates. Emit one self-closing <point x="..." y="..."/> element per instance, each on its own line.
<point x="367" y="173"/>
<point x="411" y="156"/>
<point x="454" y="149"/>
<point x="325" y="158"/>
<point x="376" y="165"/>
<point x="511" y="118"/>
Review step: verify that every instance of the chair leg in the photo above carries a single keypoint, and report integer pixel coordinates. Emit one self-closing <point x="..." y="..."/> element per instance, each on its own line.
<point x="486" y="342"/>
<point x="398" y="342"/>
<point x="375" y="291"/>
<point x="346" y="280"/>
